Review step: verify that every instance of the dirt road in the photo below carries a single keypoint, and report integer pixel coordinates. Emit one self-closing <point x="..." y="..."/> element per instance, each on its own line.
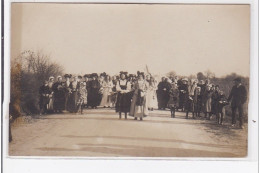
<point x="99" y="133"/>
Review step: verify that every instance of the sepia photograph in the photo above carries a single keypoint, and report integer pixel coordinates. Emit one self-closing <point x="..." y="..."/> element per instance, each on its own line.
<point x="129" y="80"/>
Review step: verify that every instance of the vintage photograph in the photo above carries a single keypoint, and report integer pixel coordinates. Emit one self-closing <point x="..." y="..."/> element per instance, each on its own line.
<point x="129" y="80"/>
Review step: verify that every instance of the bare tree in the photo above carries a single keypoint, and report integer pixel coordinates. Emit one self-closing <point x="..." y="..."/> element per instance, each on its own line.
<point x="32" y="69"/>
<point x="208" y="74"/>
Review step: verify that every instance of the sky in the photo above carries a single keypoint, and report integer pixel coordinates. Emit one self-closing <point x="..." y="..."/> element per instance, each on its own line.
<point x="88" y="38"/>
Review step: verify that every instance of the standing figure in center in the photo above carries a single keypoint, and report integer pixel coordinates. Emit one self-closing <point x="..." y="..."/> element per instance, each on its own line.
<point x="123" y="102"/>
<point x="139" y="108"/>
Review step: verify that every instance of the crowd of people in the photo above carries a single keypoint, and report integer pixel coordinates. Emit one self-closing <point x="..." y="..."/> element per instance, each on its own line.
<point x="138" y="94"/>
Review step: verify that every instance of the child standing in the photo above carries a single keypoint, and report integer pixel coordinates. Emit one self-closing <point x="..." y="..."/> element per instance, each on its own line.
<point x="173" y="102"/>
<point x="222" y="102"/>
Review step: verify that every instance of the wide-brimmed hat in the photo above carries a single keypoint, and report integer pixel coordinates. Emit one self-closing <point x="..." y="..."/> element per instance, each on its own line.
<point x="185" y="79"/>
<point x="67" y="75"/>
<point x="124" y="72"/>
<point x="140" y="73"/>
<point x="103" y="74"/>
<point x="94" y="75"/>
<point x="87" y="75"/>
<point x="51" y="77"/>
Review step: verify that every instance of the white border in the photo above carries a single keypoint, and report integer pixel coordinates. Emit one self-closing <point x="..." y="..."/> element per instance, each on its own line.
<point x="68" y="164"/>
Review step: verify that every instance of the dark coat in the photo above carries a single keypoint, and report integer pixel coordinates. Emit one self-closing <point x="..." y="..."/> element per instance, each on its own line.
<point x="163" y="94"/>
<point x="238" y="95"/>
<point x="94" y="95"/>
<point x="44" y="92"/>
<point x="207" y="101"/>
<point x="221" y="103"/>
<point x="59" y="96"/>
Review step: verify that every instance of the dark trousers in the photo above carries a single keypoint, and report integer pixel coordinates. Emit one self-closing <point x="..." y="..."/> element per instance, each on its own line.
<point x="240" y="113"/>
<point x="220" y="116"/>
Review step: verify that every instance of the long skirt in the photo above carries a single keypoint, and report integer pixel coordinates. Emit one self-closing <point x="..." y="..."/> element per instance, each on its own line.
<point x="59" y="101"/>
<point x="123" y="102"/>
<point x="173" y="102"/>
<point x="163" y="98"/>
<point x="106" y="98"/>
<point x="183" y="100"/>
<point x="139" y="108"/>
<point x="66" y="102"/>
<point x="72" y="102"/>
<point x="151" y="99"/>
<point x="50" y="105"/>
<point x="94" y="97"/>
<point x="189" y="105"/>
<point x="208" y="104"/>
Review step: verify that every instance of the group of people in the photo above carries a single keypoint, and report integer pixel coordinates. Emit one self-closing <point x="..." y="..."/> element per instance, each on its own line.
<point x="137" y="94"/>
<point x="198" y="97"/>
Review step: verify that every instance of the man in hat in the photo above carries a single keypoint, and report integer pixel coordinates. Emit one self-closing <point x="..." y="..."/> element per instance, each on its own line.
<point x="238" y="95"/>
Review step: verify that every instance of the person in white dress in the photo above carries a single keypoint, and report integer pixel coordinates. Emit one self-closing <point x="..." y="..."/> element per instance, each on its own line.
<point x="107" y="86"/>
<point x="151" y="95"/>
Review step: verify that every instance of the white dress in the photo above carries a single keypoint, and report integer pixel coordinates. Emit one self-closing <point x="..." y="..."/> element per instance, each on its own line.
<point x="151" y="96"/>
<point x="106" y="97"/>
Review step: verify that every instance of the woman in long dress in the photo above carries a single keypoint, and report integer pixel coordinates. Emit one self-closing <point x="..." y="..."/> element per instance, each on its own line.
<point x="73" y="97"/>
<point x="107" y="86"/>
<point x="50" y="84"/>
<point x="123" y="88"/>
<point x="67" y="90"/>
<point x="114" y="93"/>
<point x="94" y="91"/>
<point x="207" y="101"/>
<point x="151" y="95"/>
<point x="139" y="107"/>
<point x="59" y="95"/>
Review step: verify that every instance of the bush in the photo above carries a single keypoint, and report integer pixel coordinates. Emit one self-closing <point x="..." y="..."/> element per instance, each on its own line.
<point x="28" y="72"/>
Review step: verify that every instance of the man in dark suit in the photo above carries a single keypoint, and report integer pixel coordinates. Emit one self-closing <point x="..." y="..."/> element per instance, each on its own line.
<point x="238" y="95"/>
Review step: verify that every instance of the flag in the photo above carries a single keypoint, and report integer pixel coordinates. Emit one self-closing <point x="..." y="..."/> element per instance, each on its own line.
<point x="147" y="70"/>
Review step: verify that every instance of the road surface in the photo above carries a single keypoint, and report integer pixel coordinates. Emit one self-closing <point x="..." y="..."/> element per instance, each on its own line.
<point x="100" y="133"/>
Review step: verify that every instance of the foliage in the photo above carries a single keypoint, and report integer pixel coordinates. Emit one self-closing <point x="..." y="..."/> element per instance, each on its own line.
<point x="28" y="73"/>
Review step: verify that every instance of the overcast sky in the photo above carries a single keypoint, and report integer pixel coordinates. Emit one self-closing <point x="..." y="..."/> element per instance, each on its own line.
<point x="86" y="38"/>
